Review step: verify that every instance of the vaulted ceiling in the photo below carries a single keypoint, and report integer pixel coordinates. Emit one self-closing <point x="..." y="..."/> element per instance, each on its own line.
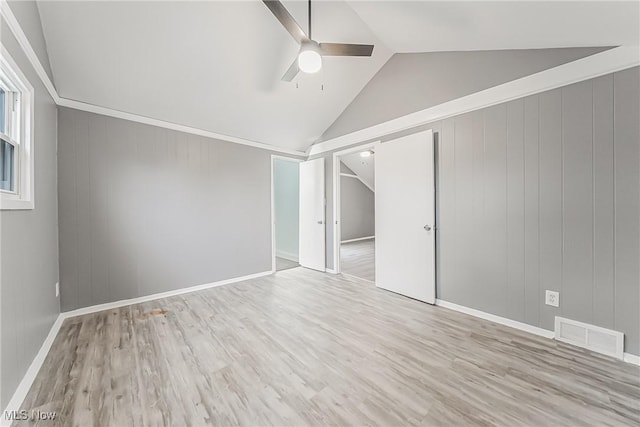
<point x="216" y="65"/>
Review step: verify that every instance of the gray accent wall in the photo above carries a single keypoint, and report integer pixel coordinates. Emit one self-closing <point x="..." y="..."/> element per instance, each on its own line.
<point x="146" y="210"/>
<point x="286" y="187"/>
<point x="28" y="16"/>
<point x="357" y="211"/>
<point x="542" y="193"/>
<point x="411" y="82"/>
<point x="29" y="246"/>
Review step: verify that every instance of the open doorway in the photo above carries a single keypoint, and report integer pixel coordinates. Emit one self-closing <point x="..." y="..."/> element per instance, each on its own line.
<point x="285" y="176"/>
<point x="355" y="211"/>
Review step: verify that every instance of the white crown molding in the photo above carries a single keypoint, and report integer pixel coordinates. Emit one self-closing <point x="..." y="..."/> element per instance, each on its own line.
<point x="27" y="381"/>
<point x="602" y="63"/>
<point x="90" y="108"/>
<point x="21" y="37"/>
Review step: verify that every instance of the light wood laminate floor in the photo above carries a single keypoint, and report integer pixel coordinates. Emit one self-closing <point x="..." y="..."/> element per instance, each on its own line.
<point x="358" y="259"/>
<point x="306" y="348"/>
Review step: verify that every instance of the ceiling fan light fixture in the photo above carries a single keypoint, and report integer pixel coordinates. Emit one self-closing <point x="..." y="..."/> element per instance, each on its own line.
<point x="309" y="58"/>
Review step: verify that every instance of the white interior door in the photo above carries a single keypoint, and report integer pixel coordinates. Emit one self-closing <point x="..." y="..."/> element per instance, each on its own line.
<point x="312" y="221"/>
<point x="405" y="216"/>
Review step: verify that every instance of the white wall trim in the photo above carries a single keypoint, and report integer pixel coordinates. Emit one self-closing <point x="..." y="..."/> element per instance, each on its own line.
<point x="358" y="239"/>
<point x="29" y="377"/>
<point x="330" y="271"/>
<point x="496" y="319"/>
<point x="24" y="386"/>
<point x="351" y="276"/>
<point x="90" y="108"/>
<point x="631" y="358"/>
<point x="21" y="37"/>
<point x="606" y="62"/>
<point x="627" y="357"/>
<point x="152" y="297"/>
<point x="287" y="255"/>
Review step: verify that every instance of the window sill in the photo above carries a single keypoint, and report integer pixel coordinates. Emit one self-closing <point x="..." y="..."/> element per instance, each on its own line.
<point x="7" y="204"/>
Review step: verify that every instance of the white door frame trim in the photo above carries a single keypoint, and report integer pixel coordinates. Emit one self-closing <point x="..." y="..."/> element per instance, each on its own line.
<point x="273" y="207"/>
<point x="606" y="62"/>
<point x="336" y="199"/>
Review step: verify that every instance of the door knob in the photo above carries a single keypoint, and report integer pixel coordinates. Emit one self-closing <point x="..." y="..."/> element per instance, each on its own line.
<point x="427" y="227"/>
<point x="320" y="222"/>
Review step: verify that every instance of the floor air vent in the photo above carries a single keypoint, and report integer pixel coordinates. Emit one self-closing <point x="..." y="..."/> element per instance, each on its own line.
<point x="591" y="337"/>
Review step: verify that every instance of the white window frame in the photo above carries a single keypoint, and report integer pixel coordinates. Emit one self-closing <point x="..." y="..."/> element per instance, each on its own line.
<point x="20" y="131"/>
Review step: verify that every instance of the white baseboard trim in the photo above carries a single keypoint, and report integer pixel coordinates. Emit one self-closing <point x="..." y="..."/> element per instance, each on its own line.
<point x="24" y="386"/>
<point x="627" y="357"/>
<point x="146" y="298"/>
<point x="287" y="255"/>
<point x="29" y="377"/>
<point x="496" y="319"/>
<point x="330" y="271"/>
<point x="631" y="358"/>
<point x="358" y="278"/>
<point x="358" y="239"/>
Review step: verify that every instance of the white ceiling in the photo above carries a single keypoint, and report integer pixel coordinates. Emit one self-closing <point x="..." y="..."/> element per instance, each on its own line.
<point x="430" y="26"/>
<point x="211" y="65"/>
<point x="216" y="65"/>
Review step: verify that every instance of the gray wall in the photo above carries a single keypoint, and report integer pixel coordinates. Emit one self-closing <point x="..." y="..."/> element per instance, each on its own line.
<point x="145" y="210"/>
<point x="28" y="15"/>
<point x="542" y="193"/>
<point x="29" y="246"/>
<point x="411" y="82"/>
<point x="357" y="212"/>
<point x="286" y="187"/>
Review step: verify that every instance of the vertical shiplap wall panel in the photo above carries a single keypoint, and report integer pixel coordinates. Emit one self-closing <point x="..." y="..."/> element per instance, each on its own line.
<point x="536" y="194"/>
<point x="515" y="211"/>
<point x="98" y="210"/>
<point x="531" y="211"/>
<point x="627" y="205"/>
<point x="67" y="213"/>
<point x="465" y="232"/>
<point x="446" y="227"/>
<point x="603" y="208"/>
<point x="550" y="201"/>
<point x="146" y="210"/>
<point x="494" y="296"/>
<point x="83" y="198"/>
<point x="577" y="191"/>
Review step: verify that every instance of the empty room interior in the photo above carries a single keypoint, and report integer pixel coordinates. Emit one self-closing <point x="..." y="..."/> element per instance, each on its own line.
<point x="321" y="212"/>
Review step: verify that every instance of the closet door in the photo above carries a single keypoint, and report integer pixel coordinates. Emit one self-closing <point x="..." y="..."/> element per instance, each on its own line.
<point x="405" y="216"/>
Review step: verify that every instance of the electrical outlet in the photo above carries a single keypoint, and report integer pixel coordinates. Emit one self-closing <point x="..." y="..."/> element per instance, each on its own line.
<point x="57" y="289"/>
<point x="552" y="298"/>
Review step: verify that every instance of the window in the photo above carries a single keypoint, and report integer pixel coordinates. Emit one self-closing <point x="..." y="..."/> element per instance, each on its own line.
<point x="16" y="132"/>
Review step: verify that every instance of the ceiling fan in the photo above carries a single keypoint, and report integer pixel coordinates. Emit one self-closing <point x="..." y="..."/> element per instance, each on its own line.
<point x="309" y="58"/>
